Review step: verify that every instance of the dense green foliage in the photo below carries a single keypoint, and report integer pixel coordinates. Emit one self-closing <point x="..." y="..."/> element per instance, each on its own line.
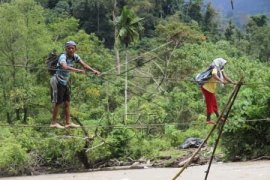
<point x="164" y="105"/>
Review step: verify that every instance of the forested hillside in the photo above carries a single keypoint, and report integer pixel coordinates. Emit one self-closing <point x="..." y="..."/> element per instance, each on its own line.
<point x="145" y="103"/>
<point x="249" y="7"/>
<point x="240" y="10"/>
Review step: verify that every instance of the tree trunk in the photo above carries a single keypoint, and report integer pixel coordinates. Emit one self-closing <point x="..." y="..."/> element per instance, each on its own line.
<point x="25" y="114"/>
<point x="17" y="114"/>
<point x="126" y="87"/>
<point x="82" y="154"/>
<point x="116" y="50"/>
<point x="98" y="18"/>
<point x="8" y="118"/>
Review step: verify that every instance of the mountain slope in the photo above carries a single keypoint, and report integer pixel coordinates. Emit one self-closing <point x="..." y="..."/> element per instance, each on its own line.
<point x="242" y="9"/>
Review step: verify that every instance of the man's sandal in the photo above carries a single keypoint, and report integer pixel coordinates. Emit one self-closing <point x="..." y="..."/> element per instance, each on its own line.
<point x="72" y="125"/>
<point x="56" y="125"/>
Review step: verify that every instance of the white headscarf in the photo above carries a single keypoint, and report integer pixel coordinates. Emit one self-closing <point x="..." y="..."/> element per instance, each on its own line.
<point x="219" y="64"/>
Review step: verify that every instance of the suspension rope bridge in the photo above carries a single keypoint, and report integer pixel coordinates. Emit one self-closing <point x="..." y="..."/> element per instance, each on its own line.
<point x="129" y="126"/>
<point x="107" y="73"/>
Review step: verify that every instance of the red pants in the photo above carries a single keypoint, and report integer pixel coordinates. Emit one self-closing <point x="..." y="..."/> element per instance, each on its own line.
<point x="210" y="100"/>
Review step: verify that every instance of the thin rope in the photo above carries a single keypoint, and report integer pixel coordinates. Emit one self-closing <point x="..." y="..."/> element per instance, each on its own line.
<point x="95" y="147"/>
<point x="165" y="44"/>
<point x="254" y="120"/>
<point x="131" y="126"/>
<point x="103" y="73"/>
<point x="135" y="126"/>
<point x="266" y="83"/>
<point x="30" y="67"/>
<point x="166" y="78"/>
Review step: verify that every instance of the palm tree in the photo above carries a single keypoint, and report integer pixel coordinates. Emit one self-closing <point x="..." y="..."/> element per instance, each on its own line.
<point x="128" y="30"/>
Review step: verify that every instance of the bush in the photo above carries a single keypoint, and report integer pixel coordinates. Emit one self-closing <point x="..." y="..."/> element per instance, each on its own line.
<point x="252" y="141"/>
<point x="149" y="148"/>
<point x="14" y="160"/>
<point x="197" y="130"/>
<point x="119" y="140"/>
<point x="57" y="152"/>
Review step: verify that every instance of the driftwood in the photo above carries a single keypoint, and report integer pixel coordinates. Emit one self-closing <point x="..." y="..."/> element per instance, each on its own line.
<point x="82" y="154"/>
<point x="194" y="160"/>
<point x="135" y="165"/>
<point x="261" y="158"/>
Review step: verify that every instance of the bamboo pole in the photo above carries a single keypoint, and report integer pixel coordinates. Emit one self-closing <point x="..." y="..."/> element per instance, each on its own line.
<point x="205" y="140"/>
<point x="238" y="86"/>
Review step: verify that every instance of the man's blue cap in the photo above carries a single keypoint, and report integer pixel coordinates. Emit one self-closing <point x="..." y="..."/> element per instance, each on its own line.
<point x="70" y="43"/>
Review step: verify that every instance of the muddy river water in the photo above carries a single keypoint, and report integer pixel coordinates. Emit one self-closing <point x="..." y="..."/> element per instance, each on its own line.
<point x="254" y="170"/>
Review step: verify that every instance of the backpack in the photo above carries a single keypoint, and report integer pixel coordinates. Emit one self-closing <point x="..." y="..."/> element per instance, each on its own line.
<point x="204" y="76"/>
<point x="51" y="62"/>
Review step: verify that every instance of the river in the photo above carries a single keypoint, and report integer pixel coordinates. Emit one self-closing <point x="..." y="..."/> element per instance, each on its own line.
<point x="253" y="170"/>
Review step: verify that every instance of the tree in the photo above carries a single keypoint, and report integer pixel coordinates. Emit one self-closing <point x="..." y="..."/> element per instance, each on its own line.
<point x="229" y="31"/>
<point x="259" y="20"/>
<point x="257" y="33"/>
<point x="194" y="11"/>
<point x="23" y="40"/>
<point x="173" y="29"/>
<point x="95" y="17"/>
<point x="52" y="3"/>
<point x="209" y="23"/>
<point x="255" y="22"/>
<point x="128" y="28"/>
